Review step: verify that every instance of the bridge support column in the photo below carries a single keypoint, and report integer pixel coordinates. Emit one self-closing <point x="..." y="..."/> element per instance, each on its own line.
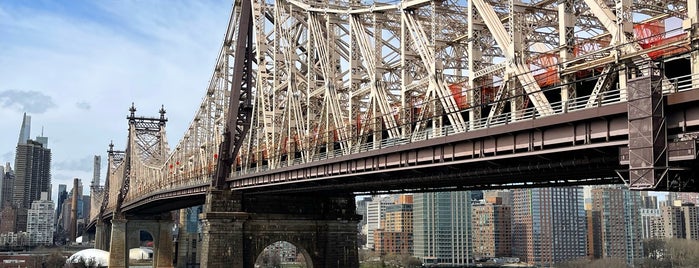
<point x="164" y="246"/>
<point x="126" y="235"/>
<point x="118" y="253"/>
<point x="648" y="161"/>
<point x="323" y="229"/>
<point x="222" y="244"/>
<point x="323" y="243"/>
<point x="102" y="233"/>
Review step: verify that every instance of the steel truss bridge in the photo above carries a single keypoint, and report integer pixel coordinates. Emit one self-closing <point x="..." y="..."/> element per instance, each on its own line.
<point x="353" y="97"/>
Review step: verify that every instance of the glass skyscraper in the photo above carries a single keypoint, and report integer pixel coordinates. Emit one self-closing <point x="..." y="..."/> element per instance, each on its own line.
<point x="549" y="225"/>
<point x="621" y="226"/>
<point x="442" y="227"/>
<point x="32" y="172"/>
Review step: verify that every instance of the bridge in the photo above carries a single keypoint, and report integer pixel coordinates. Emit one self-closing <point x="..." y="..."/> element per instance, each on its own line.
<point x="312" y="102"/>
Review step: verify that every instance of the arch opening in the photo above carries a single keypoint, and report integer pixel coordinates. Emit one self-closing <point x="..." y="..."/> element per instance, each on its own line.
<point x="142" y="253"/>
<point x="283" y="254"/>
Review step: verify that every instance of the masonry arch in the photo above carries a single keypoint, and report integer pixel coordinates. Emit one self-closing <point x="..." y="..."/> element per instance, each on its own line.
<point x="140" y="248"/>
<point x="148" y="243"/>
<point x="281" y="253"/>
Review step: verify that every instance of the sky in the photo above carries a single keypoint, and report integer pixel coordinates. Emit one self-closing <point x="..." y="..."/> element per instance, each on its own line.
<point x="76" y="66"/>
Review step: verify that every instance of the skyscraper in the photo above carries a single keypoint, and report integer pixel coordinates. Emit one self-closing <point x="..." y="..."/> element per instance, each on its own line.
<point x="2" y="180"/>
<point x="620" y="218"/>
<point x="649" y="216"/>
<point x="395" y="235"/>
<point x="96" y="171"/>
<point x="361" y="210"/>
<point x="548" y="225"/>
<point x="8" y="215"/>
<point x="25" y="129"/>
<point x="40" y="221"/>
<point x="692" y="198"/>
<point x="62" y="196"/>
<point x="492" y="229"/>
<point x="376" y="210"/>
<point x="594" y="234"/>
<point x="8" y="184"/>
<point x="32" y="172"/>
<point x="649" y="201"/>
<point x="442" y="227"/>
<point x="680" y="221"/>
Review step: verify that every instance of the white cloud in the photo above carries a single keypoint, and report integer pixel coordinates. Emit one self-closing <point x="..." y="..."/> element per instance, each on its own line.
<point x="26" y="101"/>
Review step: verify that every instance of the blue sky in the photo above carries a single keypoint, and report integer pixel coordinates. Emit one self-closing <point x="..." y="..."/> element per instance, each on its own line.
<point x="76" y="66"/>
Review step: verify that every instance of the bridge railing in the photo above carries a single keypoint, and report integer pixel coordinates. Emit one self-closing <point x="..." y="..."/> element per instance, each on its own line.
<point x="676" y="84"/>
<point x="681" y="83"/>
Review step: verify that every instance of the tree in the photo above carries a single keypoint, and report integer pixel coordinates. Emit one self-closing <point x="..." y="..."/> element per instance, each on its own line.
<point x="55" y="260"/>
<point x="85" y="263"/>
<point x="683" y="252"/>
<point x="653" y="248"/>
<point x="410" y="262"/>
<point x="599" y="263"/>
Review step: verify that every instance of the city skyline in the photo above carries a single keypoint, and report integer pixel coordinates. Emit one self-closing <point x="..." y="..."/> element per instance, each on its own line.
<point x="77" y="66"/>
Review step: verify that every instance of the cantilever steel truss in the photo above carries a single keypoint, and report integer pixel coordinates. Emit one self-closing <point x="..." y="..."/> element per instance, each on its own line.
<point x="336" y="77"/>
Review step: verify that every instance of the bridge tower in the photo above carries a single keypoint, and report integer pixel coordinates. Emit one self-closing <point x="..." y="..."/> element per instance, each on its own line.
<point x="115" y="159"/>
<point x="238" y="226"/>
<point x="146" y="146"/>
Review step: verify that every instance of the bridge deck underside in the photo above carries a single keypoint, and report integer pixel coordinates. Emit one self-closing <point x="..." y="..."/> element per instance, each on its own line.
<point x="571" y="149"/>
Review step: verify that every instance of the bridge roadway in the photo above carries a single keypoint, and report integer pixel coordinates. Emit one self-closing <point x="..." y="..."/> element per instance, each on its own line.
<point x="580" y="147"/>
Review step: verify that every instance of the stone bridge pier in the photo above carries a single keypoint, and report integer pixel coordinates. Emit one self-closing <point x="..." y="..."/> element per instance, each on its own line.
<point x="126" y="233"/>
<point x="237" y="228"/>
<point x="103" y="231"/>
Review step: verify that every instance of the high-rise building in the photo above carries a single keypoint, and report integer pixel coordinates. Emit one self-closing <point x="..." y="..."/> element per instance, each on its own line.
<point x="8" y="215"/>
<point x="442" y="227"/>
<point x="492" y="229"/>
<point x="396" y="233"/>
<point x="81" y="204"/>
<point x="25" y="129"/>
<point x="8" y="184"/>
<point x="32" y="172"/>
<point x="189" y="231"/>
<point x="680" y="221"/>
<point x="62" y="196"/>
<point x="505" y="197"/>
<point x="691" y="198"/>
<point x="691" y="221"/>
<point x="594" y="233"/>
<point x="648" y="217"/>
<point x="477" y="195"/>
<point x="376" y="210"/>
<point x="649" y="201"/>
<point x="673" y="222"/>
<point x="2" y="180"/>
<point x="361" y="210"/>
<point x="97" y="164"/>
<point x="621" y="224"/>
<point x="64" y="219"/>
<point x="548" y="225"/>
<point x="84" y="211"/>
<point x="40" y="221"/>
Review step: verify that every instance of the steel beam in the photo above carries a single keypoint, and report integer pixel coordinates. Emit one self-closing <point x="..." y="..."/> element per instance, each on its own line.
<point x="518" y="69"/>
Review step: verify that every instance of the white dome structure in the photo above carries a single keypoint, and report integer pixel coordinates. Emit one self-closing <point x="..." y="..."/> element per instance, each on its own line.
<point x="140" y="254"/>
<point x="91" y="256"/>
